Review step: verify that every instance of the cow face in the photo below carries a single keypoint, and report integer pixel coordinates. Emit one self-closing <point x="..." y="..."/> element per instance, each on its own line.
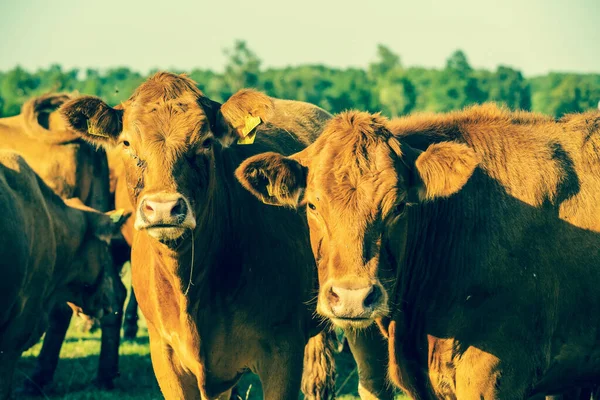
<point x="164" y="134"/>
<point x="95" y="286"/>
<point x="357" y="181"/>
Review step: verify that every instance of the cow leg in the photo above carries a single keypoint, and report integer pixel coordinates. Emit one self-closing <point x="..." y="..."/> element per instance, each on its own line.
<point x="318" y="377"/>
<point x="280" y="370"/>
<point x="175" y="384"/>
<point x="108" y="363"/>
<point x="370" y="351"/>
<point x="130" y="326"/>
<point x="47" y="360"/>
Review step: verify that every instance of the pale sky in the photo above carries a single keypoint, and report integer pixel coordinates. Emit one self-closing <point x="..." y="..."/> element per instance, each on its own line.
<point x="535" y="36"/>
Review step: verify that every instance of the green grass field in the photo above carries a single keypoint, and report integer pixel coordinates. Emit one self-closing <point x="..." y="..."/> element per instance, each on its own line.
<point x="79" y="358"/>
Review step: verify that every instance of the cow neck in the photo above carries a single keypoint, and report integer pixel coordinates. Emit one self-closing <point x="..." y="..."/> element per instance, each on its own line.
<point x="201" y="266"/>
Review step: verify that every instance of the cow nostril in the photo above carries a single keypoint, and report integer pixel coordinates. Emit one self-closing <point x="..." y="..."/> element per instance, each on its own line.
<point x="373" y="297"/>
<point x="333" y="297"/>
<point x="148" y="207"/>
<point x="179" y="208"/>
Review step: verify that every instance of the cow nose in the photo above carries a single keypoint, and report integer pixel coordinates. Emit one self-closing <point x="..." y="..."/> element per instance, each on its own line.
<point x="347" y="302"/>
<point x="157" y="210"/>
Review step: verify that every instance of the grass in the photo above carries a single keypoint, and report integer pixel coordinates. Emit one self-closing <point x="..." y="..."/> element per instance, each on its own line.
<point x="78" y="364"/>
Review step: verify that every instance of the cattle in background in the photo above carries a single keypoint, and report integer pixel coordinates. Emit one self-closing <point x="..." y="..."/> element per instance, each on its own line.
<point x="50" y="253"/>
<point x="122" y="246"/>
<point x="472" y="239"/>
<point x="222" y="280"/>
<point x="72" y="168"/>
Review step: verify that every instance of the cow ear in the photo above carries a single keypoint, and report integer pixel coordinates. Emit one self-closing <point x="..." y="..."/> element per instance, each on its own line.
<point x="241" y="115"/>
<point x="273" y="179"/>
<point x="107" y="226"/>
<point x="441" y="170"/>
<point x="93" y="119"/>
<point x="211" y="109"/>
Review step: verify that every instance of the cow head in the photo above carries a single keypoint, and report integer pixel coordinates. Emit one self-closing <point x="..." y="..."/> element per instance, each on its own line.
<point x="95" y="286"/>
<point x="166" y="139"/>
<point x="357" y="182"/>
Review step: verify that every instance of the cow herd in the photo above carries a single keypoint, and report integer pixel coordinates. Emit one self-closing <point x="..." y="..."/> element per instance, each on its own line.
<point x="458" y="252"/>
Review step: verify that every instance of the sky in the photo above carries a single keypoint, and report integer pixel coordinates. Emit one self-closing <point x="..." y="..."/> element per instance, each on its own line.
<point x="534" y="36"/>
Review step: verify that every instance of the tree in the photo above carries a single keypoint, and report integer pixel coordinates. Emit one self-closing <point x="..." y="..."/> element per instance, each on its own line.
<point x="506" y="86"/>
<point x="17" y="86"/>
<point x="392" y="91"/>
<point x="456" y="86"/>
<point x="458" y="63"/>
<point x="242" y="68"/>
<point x="387" y="61"/>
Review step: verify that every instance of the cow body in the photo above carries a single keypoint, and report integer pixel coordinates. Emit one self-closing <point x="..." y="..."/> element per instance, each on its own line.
<point x="472" y="239"/>
<point x="223" y="281"/>
<point x="71" y="168"/>
<point x="50" y="253"/>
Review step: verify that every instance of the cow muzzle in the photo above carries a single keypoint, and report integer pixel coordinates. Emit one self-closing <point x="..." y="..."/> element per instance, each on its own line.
<point x="353" y="304"/>
<point x="165" y="216"/>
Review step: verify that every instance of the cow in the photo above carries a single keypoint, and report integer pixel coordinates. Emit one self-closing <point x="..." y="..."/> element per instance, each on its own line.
<point x="225" y="283"/>
<point x="72" y="168"/>
<point x="51" y="252"/>
<point x="471" y="239"/>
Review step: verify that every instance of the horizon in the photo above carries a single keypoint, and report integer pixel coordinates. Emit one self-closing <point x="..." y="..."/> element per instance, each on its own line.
<point x="104" y="36"/>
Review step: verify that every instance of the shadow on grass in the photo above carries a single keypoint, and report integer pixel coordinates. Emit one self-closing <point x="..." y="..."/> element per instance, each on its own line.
<point x="74" y="378"/>
<point x="75" y="374"/>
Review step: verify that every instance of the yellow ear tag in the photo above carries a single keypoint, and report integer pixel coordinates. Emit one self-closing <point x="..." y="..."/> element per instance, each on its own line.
<point x="116" y="215"/>
<point x="270" y="190"/>
<point x="92" y="130"/>
<point x="248" y="132"/>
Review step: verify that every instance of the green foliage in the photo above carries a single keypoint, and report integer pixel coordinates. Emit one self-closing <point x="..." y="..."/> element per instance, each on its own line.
<point x="393" y="92"/>
<point x="559" y="94"/>
<point x="242" y="69"/>
<point x="385" y="85"/>
<point x="506" y="86"/>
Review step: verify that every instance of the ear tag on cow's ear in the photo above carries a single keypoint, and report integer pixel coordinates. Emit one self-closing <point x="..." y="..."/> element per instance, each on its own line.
<point x="248" y="132"/>
<point x="92" y="130"/>
<point x="116" y="215"/>
<point x="271" y="191"/>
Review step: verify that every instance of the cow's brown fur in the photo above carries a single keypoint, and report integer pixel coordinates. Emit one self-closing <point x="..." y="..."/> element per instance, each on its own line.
<point x="226" y="295"/>
<point x="483" y="228"/>
<point x="50" y="252"/>
<point x="72" y="168"/>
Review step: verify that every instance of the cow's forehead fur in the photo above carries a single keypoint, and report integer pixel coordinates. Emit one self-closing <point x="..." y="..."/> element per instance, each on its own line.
<point x="352" y="165"/>
<point x="165" y="116"/>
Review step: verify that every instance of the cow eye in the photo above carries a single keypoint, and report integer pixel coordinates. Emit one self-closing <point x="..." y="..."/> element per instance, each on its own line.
<point x="207" y="143"/>
<point x="312" y="206"/>
<point x="400" y="208"/>
<point x="126" y="143"/>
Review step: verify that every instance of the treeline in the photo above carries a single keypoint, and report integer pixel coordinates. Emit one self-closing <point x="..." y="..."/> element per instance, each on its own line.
<point x="386" y="85"/>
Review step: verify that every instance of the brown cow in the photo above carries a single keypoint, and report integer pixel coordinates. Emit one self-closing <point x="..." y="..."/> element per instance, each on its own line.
<point x="476" y="233"/>
<point x="72" y="168"/>
<point x="222" y="280"/>
<point x="50" y="252"/>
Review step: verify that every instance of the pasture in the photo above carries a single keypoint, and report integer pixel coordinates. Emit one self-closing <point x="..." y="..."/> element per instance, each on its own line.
<point x="79" y="357"/>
